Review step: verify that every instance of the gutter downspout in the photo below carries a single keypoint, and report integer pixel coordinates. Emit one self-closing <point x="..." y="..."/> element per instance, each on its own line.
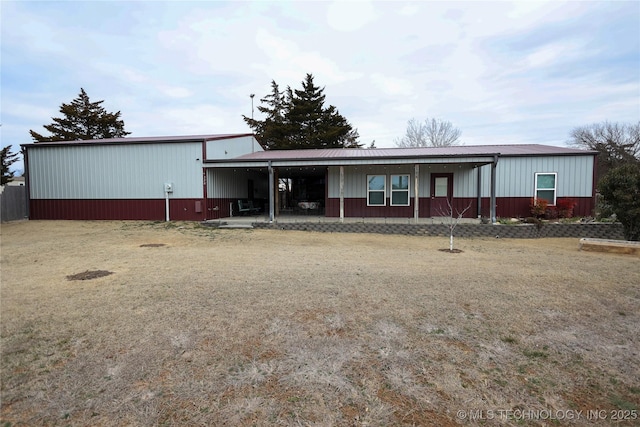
<point x="166" y="205"/>
<point x="594" y="186"/>
<point x="271" y="194"/>
<point x="479" y="191"/>
<point x="416" y="196"/>
<point x="341" y="193"/>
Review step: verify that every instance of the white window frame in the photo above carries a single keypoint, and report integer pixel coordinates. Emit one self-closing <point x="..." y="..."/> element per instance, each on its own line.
<point x="407" y="190"/>
<point x="555" y="186"/>
<point x="383" y="191"/>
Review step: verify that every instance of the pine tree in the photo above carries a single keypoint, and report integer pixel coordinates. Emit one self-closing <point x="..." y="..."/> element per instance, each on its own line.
<point x="82" y="120"/>
<point x="271" y="131"/>
<point x="298" y="119"/>
<point x="306" y="114"/>
<point x="8" y="158"/>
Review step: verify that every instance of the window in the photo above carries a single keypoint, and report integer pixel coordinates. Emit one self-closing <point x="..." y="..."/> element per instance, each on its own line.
<point x="376" y="190"/>
<point x="400" y="190"/>
<point x="546" y="187"/>
<point x="441" y="186"/>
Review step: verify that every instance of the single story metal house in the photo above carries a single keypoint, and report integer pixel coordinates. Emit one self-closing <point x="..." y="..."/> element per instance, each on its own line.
<point x="205" y="177"/>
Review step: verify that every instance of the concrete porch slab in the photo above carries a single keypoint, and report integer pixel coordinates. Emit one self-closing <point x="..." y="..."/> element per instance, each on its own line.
<point x="287" y="219"/>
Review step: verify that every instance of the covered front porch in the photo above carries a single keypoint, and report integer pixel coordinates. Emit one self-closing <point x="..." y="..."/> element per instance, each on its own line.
<point x="338" y="186"/>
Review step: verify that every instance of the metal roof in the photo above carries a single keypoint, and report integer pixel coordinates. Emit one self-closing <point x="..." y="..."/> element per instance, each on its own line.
<point x="394" y="153"/>
<point x="462" y="152"/>
<point x="143" y="140"/>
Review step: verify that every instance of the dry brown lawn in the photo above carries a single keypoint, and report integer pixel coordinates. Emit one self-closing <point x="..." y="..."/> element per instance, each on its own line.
<point x="201" y="326"/>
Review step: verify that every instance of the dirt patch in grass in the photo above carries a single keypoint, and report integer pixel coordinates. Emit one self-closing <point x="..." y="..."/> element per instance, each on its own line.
<point x="272" y="327"/>
<point x="89" y="275"/>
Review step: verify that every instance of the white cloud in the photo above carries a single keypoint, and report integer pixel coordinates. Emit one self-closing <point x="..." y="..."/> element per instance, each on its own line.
<point x="378" y="130"/>
<point x="276" y="47"/>
<point x="175" y="91"/>
<point x="345" y="15"/>
<point x="190" y="120"/>
<point x="409" y="9"/>
<point x="392" y="85"/>
<point x="529" y="10"/>
<point x="31" y="111"/>
<point x="404" y="108"/>
<point x="501" y="71"/>
<point x="551" y="53"/>
<point x="287" y="63"/>
<point x="130" y="74"/>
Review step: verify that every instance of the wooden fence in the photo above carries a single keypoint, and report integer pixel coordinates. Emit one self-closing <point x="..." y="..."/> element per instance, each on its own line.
<point x="13" y="203"/>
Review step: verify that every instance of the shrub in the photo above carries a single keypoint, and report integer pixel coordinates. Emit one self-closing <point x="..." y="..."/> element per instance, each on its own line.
<point x="551" y="213"/>
<point x="565" y="208"/>
<point x="603" y="211"/>
<point x="621" y="189"/>
<point x="538" y="207"/>
<point x="536" y="221"/>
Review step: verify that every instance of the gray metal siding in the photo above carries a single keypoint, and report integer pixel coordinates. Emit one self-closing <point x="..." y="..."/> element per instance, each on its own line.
<point x="515" y="175"/>
<point x="355" y="179"/>
<point x="115" y="172"/>
<point x="232" y="147"/>
<point x="577" y="177"/>
<point x="465" y="182"/>
<point x="464" y="179"/>
<point x="226" y="183"/>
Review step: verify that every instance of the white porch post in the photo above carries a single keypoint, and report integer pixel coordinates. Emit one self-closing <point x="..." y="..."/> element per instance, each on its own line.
<point x="341" y="193"/>
<point x="479" y="192"/>
<point x="493" y="189"/>
<point x="416" y="199"/>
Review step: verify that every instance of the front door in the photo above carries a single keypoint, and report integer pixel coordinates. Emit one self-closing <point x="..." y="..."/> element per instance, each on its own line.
<point x="441" y="191"/>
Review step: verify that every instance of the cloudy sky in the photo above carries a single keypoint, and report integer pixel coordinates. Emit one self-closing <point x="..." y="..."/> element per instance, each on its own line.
<point x="503" y="72"/>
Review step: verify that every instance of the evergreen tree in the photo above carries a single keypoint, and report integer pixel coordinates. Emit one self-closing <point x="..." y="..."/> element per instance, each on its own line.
<point x="8" y="158"/>
<point x="272" y="131"/>
<point x="82" y="120"/>
<point x="298" y="119"/>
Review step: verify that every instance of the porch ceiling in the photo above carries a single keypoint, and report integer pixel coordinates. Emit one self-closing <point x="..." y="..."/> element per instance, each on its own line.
<point x="301" y="172"/>
<point x="289" y="171"/>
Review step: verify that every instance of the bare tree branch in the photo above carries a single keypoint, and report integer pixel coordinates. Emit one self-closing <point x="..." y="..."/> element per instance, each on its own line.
<point x="617" y="143"/>
<point x="452" y="221"/>
<point x="430" y="133"/>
